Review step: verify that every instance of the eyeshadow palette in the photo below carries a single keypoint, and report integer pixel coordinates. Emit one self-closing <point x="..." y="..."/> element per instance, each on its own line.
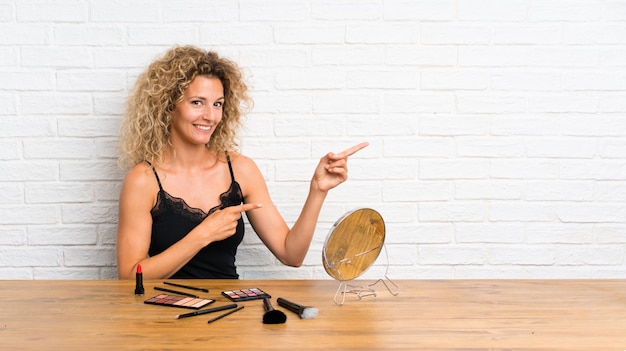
<point x="179" y="301"/>
<point x="246" y="294"/>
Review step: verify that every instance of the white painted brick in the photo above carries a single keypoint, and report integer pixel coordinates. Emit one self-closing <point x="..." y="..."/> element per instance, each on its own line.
<point x="10" y="150"/>
<point x="427" y="56"/>
<point x="395" y="79"/>
<point x="25" y="34"/>
<point x="441" y="102"/>
<point x="216" y="34"/>
<point x="159" y="35"/>
<point x="454" y="80"/>
<point x="428" y="255"/>
<point x="307" y="78"/>
<point x="560" y="103"/>
<point x="461" y="34"/>
<point x="419" y="10"/>
<point x="16" y="273"/>
<point x="58" y="148"/>
<point x="612" y="56"/>
<point x="501" y="147"/>
<point x="8" y="105"/>
<point x="592" y="213"/>
<point x="611" y="103"/>
<point x="30" y="256"/>
<point x="56" y="11"/>
<point x="590" y="34"/>
<point x="89" y="126"/>
<point x="589" y="255"/>
<point x="414" y="191"/>
<point x="7" y="12"/>
<point x="267" y="57"/>
<point x="573" y="56"/>
<point x="593" y="169"/>
<point x="351" y="103"/>
<point x="108" y="191"/>
<point x="388" y="169"/>
<point x="9" y="55"/>
<point x="12" y="236"/>
<point x="11" y="193"/>
<point x="453" y="125"/>
<point x="559" y="233"/>
<point x="347" y="10"/>
<point x="528" y="34"/>
<point x="610" y="233"/>
<point x="573" y="148"/>
<point x="89" y="213"/>
<point x="492" y="56"/>
<point x="42" y="193"/>
<point x="88" y="256"/>
<point x="522" y="169"/>
<point x="565" y="10"/>
<point x="487" y="189"/>
<point x="56" y="103"/>
<point x="603" y="81"/>
<point x="65" y="273"/>
<point x="89" y="170"/>
<point x="124" y="58"/>
<point x="559" y="191"/>
<point x="274" y="10"/>
<point x="287" y="102"/>
<point x="375" y="125"/>
<point x="29" y="171"/>
<point x="425" y="147"/>
<point x="121" y="11"/>
<point x="79" y="35"/>
<point x="27" y="127"/>
<point x="529" y="125"/>
<point x="66" y="235"/>
<point x="27" y="80"/>
<point x="521" y="255"/>
<point x="613" y="149"/>
<point x="515" y="211"/>
<point x="390" y="33"/>
<point x="490" y="103"/>
<point x="327" y="34"/>
<point x="425" y="233"/>
<point x="452" y="212"/>
<point x="60" y="57"/>
<point x="526" y="80"/>
<point x="109" y="103"/>
<point x="453" y="169"/>
<point x="199" y="11"/>
<point x="501" y="233"/>
<point x="82" y="80"/>
<point x="489" y="10"/>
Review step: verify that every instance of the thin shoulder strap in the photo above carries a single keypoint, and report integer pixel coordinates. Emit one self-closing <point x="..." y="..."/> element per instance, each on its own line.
<point x="156" y="175"/>
<point x="230" y="167"/>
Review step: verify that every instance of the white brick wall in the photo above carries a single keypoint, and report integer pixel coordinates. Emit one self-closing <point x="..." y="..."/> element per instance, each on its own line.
<point x="497" y="128"/>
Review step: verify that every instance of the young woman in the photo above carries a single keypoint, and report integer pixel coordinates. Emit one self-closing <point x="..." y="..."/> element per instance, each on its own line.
<point x="181" y="201"/>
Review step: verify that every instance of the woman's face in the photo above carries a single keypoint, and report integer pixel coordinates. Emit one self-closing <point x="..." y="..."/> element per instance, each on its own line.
<point x="195" y="117"/>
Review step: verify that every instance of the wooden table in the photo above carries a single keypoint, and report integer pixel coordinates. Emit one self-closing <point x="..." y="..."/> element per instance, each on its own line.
<point x="428" y="315"/>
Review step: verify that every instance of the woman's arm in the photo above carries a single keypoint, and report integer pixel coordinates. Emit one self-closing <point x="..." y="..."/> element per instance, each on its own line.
<point x="291" y="245"/>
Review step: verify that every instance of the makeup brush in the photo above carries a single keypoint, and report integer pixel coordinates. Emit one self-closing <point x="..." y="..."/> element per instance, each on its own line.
<point x="305" y="312"/>
<point x="271" y="315"/>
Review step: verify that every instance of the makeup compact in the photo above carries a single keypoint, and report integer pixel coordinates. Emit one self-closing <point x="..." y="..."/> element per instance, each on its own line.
<point x="179" y="301"/>
<point x="246" y="294"/>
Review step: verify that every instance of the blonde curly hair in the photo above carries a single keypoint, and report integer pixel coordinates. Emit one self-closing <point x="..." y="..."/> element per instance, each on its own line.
<point x="145" y="130"/>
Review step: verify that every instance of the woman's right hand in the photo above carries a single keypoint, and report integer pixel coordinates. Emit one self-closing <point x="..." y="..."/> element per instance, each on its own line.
<point x="223" y="223"/>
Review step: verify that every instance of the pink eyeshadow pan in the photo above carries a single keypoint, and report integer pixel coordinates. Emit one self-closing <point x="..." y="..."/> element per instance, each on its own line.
<point x="178" y="301"/>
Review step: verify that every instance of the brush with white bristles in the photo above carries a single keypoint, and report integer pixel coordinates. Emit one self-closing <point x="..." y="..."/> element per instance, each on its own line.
<point x="305" y="312"/>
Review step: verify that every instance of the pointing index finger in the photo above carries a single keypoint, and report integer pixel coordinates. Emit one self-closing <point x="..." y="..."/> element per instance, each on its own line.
<point x="351" y="151"/>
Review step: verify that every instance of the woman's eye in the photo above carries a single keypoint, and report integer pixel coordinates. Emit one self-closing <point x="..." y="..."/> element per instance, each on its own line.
<point x="218" y="104"/>
<point x="196" y="102"/>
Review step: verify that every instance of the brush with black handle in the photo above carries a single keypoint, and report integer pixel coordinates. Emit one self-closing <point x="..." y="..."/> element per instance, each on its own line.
<point x="272" y="316"/>
<point x="305" y="312"/>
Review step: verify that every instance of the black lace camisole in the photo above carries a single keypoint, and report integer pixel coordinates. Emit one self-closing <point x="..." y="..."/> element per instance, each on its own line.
<point x="172" y="219"/>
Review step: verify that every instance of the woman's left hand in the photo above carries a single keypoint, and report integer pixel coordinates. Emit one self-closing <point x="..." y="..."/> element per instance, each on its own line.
<point x="333" y="168"/>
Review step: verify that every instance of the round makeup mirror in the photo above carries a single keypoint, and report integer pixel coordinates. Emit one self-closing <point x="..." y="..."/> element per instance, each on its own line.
<point x="353" y="244"/>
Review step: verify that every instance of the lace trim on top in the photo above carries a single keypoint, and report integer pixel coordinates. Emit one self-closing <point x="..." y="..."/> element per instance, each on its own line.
<point x="231" y="197"/>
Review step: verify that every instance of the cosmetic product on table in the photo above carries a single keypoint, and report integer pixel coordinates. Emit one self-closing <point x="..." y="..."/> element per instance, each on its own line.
<point x="175" y="292"/>
<point x="209" y="310"/>
<point x="245" y="294"/>
<point x="178" y="301"/>
<point x="225" y="314"/>
<point x="305" y="312"/>
<point x="186" y="286"/>
<point x="272" y="316"/>
<point x="139" y="290"/>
